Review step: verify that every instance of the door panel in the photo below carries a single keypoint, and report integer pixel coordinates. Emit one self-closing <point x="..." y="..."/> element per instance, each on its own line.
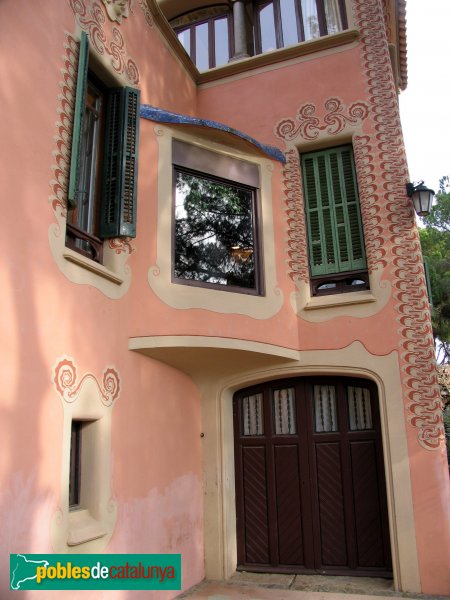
<point x="310" y="490"/>
<point x="367" y="504"/>
<point x="287" y="494"/>
<point x="331" y="512"/>
<point x="256" y="517"/>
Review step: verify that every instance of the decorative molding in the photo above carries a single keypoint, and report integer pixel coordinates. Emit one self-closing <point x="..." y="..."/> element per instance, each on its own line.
<point x="296" y="221"/>
<point x="147" y="13"/>
<point x="337" y="117"/>
<point x="68" y="388"/>
<point x="117" y="9"/>
<point x="92" y="21"/>
<point x="402" y="245"/>
<point x="63" y="137"/>
<point x="370" y="206"/>
<point x="121" y="245"/>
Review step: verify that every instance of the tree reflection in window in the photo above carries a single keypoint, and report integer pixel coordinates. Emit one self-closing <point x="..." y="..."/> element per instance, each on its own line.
<point x="214" y="232"/>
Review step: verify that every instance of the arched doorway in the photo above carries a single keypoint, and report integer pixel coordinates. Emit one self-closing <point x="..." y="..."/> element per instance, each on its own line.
<point x="310" y="484"/>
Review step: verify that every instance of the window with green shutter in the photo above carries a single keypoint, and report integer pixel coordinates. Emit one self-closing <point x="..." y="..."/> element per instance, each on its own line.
<point x="104" y="160"/>
<point x="335" y="233"/>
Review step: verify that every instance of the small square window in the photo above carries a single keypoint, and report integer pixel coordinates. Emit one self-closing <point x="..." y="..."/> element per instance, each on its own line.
<point x="75" y="464"/>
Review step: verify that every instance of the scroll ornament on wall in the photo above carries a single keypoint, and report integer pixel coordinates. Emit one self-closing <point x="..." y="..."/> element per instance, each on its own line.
<point x="68" y="384"/>
<point x="308" y="125"/>
<point x="92" y="21"/>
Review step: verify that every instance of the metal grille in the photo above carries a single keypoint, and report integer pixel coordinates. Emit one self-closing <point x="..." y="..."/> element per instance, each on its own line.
<point x="325" y="414"/>
<point x="252" y="407"/>
<point x="284" y="411"/>
<point x="359" y="408"/>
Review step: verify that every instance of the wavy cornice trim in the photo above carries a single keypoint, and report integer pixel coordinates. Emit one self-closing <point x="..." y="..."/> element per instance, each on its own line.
<point x="159" y="115"/>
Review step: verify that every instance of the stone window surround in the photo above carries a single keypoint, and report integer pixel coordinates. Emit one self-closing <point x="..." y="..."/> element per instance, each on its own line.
<point x="89" y="528"/>
<point x="160" y="274"/>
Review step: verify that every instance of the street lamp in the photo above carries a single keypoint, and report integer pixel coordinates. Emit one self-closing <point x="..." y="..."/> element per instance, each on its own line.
<point x="422" y="198"/>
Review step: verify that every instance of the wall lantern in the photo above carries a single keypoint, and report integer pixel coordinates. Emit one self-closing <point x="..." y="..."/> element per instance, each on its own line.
<point x="422" y="198"/>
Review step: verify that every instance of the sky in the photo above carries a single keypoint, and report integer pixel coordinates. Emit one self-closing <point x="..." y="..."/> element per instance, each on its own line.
<point x="425" y="105"/>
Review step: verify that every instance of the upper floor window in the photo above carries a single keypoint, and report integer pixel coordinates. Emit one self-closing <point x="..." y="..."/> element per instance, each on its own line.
<point x="103" y="170"/>
<point x="281" y="23"/>
<point x="335" y="233"/>
<point x="206" y="35"/>
<point x="215" y="229"/>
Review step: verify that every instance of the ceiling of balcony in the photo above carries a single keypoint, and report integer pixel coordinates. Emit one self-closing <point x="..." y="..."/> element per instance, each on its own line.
<point x="173" y="8"/>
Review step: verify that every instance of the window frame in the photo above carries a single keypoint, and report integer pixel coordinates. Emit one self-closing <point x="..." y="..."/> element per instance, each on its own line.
<point x="210" y="21"/>
<point x="207" y="164"/>
<point x="339" y="277"/>
<point x="116" y="149"/>
<point x="322" y="22"/>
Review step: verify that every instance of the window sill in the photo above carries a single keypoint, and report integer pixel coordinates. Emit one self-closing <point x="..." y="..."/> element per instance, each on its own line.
<point x="90" y="265"/>
<point x="83" y="528"/>
<point x="343" y="299"/>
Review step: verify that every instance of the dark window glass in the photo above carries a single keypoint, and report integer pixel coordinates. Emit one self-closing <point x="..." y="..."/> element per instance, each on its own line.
<point x="222" y="50"/>
<point x="85" y="216"/>
<point x="214" y="231"/>
<point x="75" y="464"/>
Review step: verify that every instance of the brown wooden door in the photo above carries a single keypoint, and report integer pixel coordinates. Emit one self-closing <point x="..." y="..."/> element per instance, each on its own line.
<point x="310" y="488"/>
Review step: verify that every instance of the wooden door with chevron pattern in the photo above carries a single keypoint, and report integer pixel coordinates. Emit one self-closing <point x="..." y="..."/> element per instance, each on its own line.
<point x="310" y="485"/>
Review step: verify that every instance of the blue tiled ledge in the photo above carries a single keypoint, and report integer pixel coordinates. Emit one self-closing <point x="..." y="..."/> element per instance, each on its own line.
<point x="152" y="113"/>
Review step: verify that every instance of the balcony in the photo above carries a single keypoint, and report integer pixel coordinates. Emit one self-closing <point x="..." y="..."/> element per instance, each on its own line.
<point x="227" y="38"/>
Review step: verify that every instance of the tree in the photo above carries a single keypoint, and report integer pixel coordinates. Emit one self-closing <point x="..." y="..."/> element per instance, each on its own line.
<point x="214" y="232"/>
<point x="435" y="241"/>
<point x="444" y="383"/>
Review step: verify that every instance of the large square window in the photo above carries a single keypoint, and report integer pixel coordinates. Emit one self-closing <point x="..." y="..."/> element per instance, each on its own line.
<point x="215" y="221"/>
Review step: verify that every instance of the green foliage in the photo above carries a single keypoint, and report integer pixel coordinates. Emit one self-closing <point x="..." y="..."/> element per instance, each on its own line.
<point x="435" y="241"/>
<point x="447" y="430"/>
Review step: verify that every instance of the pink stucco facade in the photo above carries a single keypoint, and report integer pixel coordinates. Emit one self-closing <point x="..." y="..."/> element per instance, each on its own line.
<point x="160" y="401"/>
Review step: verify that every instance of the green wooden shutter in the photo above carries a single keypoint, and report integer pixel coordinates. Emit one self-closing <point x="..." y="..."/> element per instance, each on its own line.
<point x="335" y="234"/>
<point x="119" y="184"/>
<point x="79" y="110"/>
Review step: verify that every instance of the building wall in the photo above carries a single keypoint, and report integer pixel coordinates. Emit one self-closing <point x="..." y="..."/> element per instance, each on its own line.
<point x="62" y="334"/>
<point x="68" y="329"/>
